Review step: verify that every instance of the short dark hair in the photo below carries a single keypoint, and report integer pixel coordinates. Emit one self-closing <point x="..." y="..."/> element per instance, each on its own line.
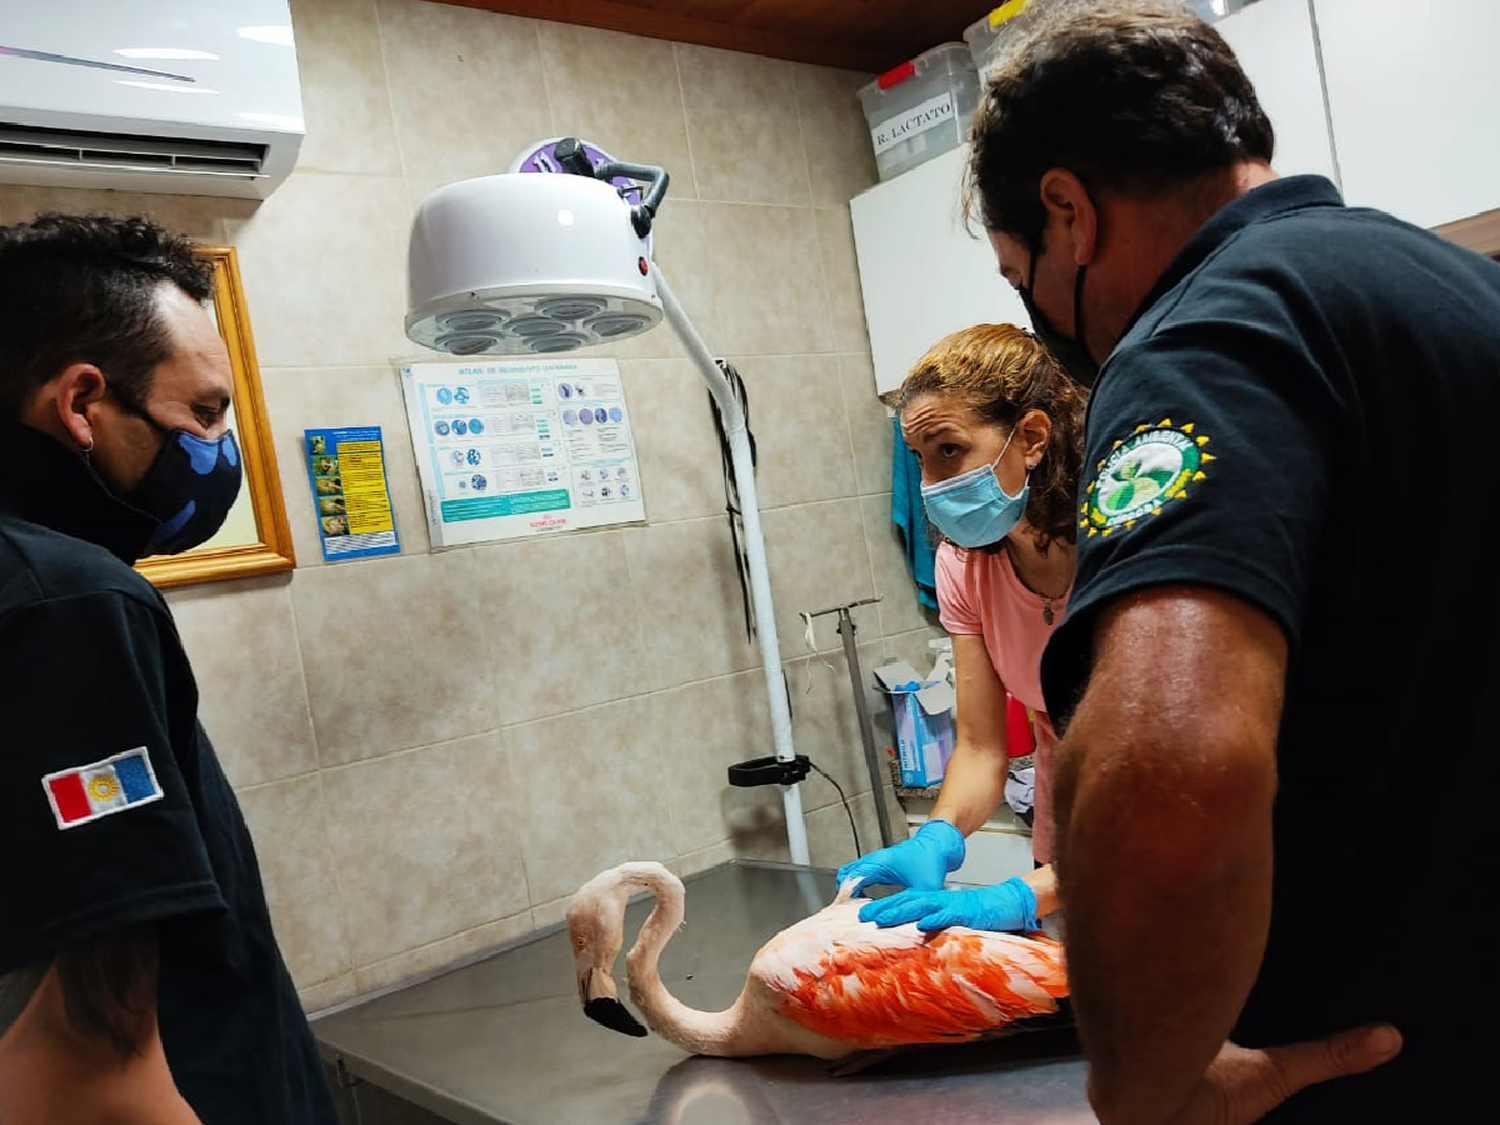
<point x="84" y="289"/>
<point x="1132" y="96"/>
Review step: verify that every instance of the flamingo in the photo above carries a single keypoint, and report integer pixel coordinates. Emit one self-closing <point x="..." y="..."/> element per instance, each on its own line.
<point x="829" y="986"/>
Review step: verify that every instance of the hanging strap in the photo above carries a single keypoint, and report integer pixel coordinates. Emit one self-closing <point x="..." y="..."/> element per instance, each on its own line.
<point x="732" y="504"/>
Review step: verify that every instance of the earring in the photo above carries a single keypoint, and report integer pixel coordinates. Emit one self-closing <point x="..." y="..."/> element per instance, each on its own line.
<point x="87" y="449"/>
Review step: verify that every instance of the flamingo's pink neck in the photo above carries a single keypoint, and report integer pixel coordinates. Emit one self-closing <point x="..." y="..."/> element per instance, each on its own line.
<point x="711" y="1033"/>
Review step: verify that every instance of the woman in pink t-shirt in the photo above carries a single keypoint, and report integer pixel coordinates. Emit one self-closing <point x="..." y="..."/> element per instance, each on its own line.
<point x="998" y="428"/>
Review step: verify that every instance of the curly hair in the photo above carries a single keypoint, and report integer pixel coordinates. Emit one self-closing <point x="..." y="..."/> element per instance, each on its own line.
<point x="1000" y="372"/>
<point x="1137" y="97"/>
<point x="83" y="289"/>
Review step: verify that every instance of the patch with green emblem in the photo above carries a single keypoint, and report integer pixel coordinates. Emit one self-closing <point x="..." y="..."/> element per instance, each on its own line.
<point x="1141" y="475"/>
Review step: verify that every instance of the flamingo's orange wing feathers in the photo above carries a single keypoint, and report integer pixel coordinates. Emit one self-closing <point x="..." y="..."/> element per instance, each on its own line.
<point x="955" y="986"/>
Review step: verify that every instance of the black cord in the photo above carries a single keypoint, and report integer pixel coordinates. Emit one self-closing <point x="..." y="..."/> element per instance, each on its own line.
<point x="858" y="851"/>
<point x="731" y="493"/>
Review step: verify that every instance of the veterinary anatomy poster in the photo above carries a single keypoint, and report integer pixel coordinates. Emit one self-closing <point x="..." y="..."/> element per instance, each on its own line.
<point x="513" y="448"/>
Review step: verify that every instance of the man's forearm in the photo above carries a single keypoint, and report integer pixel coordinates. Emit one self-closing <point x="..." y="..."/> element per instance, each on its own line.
<point x="85" y="1049"/>
<point x="1163" y="802"/>
<point x="1164" y="938"/>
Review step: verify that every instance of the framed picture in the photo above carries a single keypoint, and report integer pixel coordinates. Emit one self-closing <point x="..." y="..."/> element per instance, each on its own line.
<point x="255" y="538"/>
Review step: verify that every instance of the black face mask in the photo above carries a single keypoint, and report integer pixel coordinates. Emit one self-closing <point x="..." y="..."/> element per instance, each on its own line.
<point x="189" y="488"/>
<point x="1068" y="351"/>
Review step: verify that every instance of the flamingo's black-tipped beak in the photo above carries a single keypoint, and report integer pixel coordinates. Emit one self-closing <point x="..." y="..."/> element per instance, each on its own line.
<point x="613" y="1015"/>
<point x="601" y="1003"/>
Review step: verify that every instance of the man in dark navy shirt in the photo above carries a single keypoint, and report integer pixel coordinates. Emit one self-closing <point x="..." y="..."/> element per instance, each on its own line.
<point x="1280" y="669"/>
<point x="139" y="977"/>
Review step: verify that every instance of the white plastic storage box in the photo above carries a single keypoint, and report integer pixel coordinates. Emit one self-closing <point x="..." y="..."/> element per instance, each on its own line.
<point x="922" y="108"/>
<point x="989" y="37"/>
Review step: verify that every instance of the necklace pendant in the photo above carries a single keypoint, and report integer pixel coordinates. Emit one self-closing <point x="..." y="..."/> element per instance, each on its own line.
<point x="1047" y="613"/>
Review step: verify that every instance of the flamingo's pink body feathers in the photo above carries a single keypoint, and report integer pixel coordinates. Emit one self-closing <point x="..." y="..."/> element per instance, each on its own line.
<point x="874" y="988"/>
<point x="829" y="985"/>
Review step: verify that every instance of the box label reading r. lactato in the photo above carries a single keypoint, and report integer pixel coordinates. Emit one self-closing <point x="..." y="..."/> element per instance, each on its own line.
<point x="891" y="132"/>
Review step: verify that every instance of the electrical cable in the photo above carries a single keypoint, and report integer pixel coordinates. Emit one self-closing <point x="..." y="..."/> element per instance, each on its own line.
<point x="858" y="851"/>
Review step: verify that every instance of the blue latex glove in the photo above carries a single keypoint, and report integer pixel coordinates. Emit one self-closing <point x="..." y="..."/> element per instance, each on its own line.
<point x="1010" y="905"/>
<point x="921" y="862"/>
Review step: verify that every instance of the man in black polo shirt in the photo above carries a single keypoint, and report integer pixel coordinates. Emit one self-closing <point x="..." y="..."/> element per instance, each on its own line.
<point x="139" y="977"/>
<point x="1280" y="669"/>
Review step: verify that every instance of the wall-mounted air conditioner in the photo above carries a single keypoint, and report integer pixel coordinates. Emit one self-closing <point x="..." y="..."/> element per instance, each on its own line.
<point x="196" y="97"/>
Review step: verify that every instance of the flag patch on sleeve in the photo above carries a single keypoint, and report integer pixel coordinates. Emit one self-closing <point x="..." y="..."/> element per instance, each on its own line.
<point x="79" y="796"/>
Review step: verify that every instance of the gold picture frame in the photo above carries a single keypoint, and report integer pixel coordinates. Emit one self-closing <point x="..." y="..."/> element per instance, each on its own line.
<point x="256" y="538"/>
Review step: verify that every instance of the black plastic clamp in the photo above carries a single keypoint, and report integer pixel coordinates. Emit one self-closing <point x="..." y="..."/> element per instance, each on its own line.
<point x="769" y="771"/>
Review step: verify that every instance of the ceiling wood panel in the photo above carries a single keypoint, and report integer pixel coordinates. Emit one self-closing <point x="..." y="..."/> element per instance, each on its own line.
<point x="866" y="35"/>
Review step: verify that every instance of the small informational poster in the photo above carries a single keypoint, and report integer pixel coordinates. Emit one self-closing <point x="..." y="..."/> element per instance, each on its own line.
<point x="514" y="448"/>
<point x="353" y="500"/>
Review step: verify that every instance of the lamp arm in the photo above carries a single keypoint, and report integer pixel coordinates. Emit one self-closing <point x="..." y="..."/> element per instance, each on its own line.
<point x="571" y="155"/>
<point x="738" y="436"/>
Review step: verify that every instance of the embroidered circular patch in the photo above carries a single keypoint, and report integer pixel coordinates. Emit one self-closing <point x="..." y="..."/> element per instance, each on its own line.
<point x="1142" y="474"/>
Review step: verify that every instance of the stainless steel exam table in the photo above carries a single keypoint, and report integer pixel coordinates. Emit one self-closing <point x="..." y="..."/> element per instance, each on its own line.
<point x="501" y="1040"/>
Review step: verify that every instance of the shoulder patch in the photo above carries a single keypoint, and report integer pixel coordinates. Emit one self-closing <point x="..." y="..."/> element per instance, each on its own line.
<point x="124" y="781"/>
<point x="1141" y="475"/>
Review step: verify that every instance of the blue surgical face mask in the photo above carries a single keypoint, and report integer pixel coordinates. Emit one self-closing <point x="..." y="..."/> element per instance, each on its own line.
<point x="972" y="509"/>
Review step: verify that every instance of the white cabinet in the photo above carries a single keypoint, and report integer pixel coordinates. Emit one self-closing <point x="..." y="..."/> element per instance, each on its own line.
<point x="1414" y="95"/>
<point x="1277" y="49"/>
<point x="922" y="272"/>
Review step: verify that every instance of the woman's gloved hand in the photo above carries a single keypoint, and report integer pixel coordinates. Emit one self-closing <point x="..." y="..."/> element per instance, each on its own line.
<point x="921" y="862"/>
<point x="1010" y="905"/>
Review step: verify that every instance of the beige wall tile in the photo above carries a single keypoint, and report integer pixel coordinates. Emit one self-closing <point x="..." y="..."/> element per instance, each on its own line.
<point x="289" y="823"/>
<point x="300" y="398"/>
<point x="687" y="593"/>
<point x="704" y="858"/>
<point x="835" y="134"/>
<point x="394" y="655"/>
<point x="900" y="611"/>
<point x="561" y="621"/>
<point x="439" y="955"/>
<point x="699" y="731"/>
<point x="841" y="275"/>
<point x="199" y="217"/>
<point x="681" y="466"/>
<point x="756" y="287"/>
<point x="467" y="89"/>
<point x="830" y="842"/>
<point x="425" y="845"/>
<point x="818" y="560"/>
<point x="318" y="998"/>
<point x="825" y="726"/>
<point x="324" y="266"/>
<point x="345" y="100"/>
<point x="584" y="797"/>
<point x="742" y="123"/>
<point x="801" y="436"/>
<point x="619" y="92"/>
<point x="242" y="639"/>
<point x="870" y="426"/>
<point x="550" y="913"/>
